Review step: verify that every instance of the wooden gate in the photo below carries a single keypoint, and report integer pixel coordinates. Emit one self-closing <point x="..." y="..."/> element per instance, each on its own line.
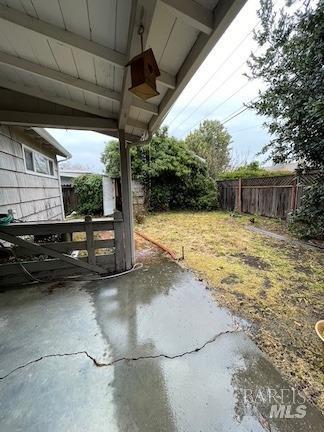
<point x="52" y="260"/>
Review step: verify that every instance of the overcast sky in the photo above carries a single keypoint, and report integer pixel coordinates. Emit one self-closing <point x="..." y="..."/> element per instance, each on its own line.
<point x="217" y="90"/>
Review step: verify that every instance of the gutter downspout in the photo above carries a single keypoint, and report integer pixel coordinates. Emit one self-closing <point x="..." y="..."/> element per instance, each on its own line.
<point x="141" y="142"/>
<point x="59" y="181"/>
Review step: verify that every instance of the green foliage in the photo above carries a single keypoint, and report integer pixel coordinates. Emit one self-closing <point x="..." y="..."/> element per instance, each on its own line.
<point x="173" y="176"/>
<point x="291" y="65"/>
<point x="308" y="220"/>
<point x="89" y="191"/>
<point x="250" y="170"/>
<point x="110" y="158"/>
<point x="211" y="142"/>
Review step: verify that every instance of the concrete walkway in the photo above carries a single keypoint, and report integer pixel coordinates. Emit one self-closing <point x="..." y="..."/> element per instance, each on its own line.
<point x="146" y="352"/>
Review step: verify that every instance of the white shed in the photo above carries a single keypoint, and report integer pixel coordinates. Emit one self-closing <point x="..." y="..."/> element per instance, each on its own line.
<point x="29" y="176"/>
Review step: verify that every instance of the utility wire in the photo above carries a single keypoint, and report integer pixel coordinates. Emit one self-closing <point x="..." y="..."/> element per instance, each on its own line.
<point x="208" y="96"/>
<point x="238" y="111"/>
<point x="218" y="69"/>
<point x="212" y="94"/>
<point x="245" y="129"/>
<point x="218" y="106"/>
<point x="235" y="113"/>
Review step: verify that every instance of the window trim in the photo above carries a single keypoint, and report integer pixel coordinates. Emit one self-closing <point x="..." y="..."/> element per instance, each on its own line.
<point x="41" y="154"/>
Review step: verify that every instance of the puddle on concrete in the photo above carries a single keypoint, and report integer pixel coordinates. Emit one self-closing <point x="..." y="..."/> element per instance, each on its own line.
<point x="160" y="310"/>
<point x="227" y="385"/>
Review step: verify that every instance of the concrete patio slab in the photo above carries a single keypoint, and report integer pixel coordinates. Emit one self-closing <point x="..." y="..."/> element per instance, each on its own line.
<point x="148" y="351"/>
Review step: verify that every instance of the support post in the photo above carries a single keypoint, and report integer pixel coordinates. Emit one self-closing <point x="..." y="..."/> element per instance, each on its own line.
<point x="294" y="191"/>
<point x="90" y="240"/>
<point x="119" y="242"/>
<point x="127" y="206"/>
<point x="239" y="191"/>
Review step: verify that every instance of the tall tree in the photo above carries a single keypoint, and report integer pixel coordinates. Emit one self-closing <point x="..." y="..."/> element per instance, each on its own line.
<point x="211" y="142"/>
<point x="291" y="65"/>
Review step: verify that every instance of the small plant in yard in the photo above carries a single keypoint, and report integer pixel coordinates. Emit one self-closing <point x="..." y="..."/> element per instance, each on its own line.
<point x="89" y="191"/>
<point x="139" y="216"/>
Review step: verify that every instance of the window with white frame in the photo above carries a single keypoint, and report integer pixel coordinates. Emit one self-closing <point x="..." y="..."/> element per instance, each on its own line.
<point x="38" y="163"/>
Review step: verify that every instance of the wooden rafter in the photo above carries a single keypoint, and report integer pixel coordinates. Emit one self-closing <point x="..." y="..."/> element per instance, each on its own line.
<point x="73" y="40"/>
<point x="224" y="13"/>
<point x="192" y="13"/>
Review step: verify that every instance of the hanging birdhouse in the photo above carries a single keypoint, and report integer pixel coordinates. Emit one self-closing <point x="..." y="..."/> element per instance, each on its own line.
<point x="144" y="71"/>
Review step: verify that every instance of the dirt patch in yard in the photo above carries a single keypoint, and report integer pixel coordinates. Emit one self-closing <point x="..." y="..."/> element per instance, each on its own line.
<point x="252" y="261"/>
<point x="277" y="286"/>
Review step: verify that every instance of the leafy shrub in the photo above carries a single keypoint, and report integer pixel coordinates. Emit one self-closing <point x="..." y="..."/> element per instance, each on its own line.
<point x="173" y="176"/>
<point x="308" y="220"/>
<point x="250" y="170"/>
<point x="88" y="188"/>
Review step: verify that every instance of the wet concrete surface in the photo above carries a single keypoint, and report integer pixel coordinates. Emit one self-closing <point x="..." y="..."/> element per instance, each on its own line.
<point x="171" y="360"/>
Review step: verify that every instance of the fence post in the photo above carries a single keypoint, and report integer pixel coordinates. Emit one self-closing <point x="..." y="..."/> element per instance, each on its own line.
<point x="239" y="192"/>
<point x="119" y="241"/>
<point x="293" y="203"/>
<point x="90" y="240"/>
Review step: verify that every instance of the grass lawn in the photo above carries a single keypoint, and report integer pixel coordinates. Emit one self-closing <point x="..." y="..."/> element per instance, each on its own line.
<point x="276" y="285"/>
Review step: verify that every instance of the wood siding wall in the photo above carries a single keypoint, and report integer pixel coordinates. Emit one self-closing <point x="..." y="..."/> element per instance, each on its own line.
<point x="266" y="196"/>
<point x="33" y="197"/>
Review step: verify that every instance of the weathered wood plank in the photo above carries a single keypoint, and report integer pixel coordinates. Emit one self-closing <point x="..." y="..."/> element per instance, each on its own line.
<point x="67" y="247"/>
<point x="47" y="270"/>
<point x="119" y="242"/>
<point x="44" y="250"/>
<point x="90" y="240"/>
<point x="55" y="227"/>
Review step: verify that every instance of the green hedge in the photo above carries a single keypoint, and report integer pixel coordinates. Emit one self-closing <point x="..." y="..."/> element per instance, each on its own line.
<point x="89" y="191"/>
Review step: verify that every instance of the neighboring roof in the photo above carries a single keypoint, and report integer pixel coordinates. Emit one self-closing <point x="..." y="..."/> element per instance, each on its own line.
<point x="291" y="167"/>
<point x="73" y="173"/>
<point x="59" y="149"/>
<point x="78" y="56"/>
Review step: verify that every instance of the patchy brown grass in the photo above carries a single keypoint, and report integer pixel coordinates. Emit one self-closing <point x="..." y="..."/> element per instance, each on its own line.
<point x="277" y="286"/>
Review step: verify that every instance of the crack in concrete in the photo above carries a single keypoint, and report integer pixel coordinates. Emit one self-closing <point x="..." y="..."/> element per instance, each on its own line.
<point x="118" y="360"/>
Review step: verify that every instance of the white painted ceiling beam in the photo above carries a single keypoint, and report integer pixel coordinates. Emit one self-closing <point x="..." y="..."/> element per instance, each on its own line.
<point x="72" y="40"/>
<point x="71" y="81"/>
<point x="224" y="13"/>
<point x="29" y="91"/>
<point x="35" y="92"/>
<point x="20" y="118"/>
<point x="192" y="13"/>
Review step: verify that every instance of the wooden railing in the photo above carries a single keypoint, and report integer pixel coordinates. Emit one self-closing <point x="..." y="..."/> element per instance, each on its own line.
<point x="52" y="260"/>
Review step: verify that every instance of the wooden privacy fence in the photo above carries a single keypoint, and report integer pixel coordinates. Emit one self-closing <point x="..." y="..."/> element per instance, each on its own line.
<point x="54" y="259"/>
<point x="266" y="196"/>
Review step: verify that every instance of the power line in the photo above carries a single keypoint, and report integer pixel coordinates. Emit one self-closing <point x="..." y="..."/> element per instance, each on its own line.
<point x="218" y="106"/>
<point x="212" y="94"/>
<point x="235" y="113"/>
<point x="245" y="129"/>
<point x="219" y="68"/>
<point x="208" y="96"/>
